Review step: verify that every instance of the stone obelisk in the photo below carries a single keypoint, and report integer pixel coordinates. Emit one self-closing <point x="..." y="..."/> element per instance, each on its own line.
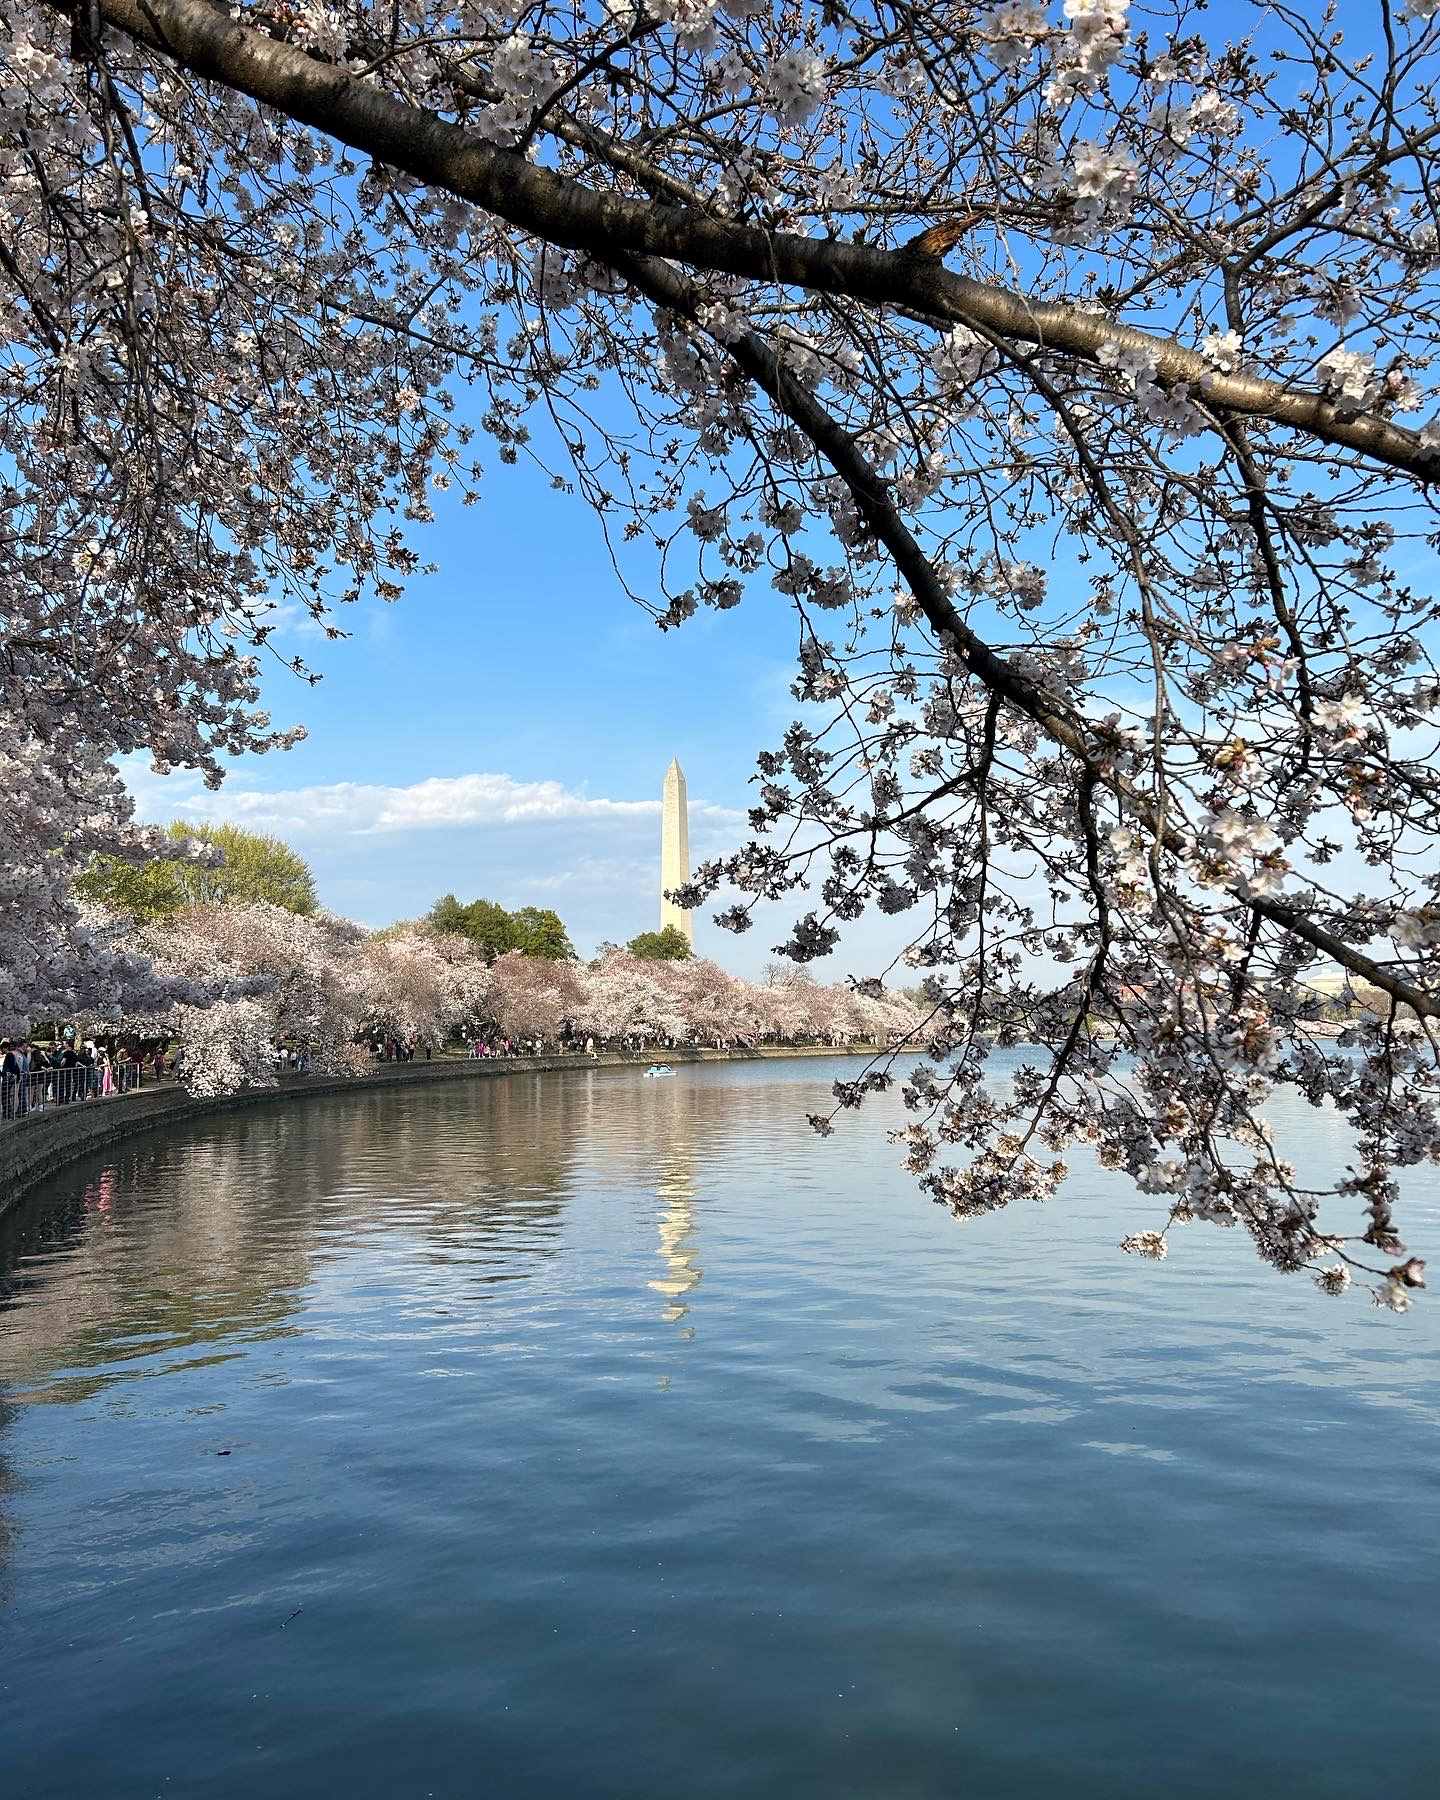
<point x="675" y="850"/>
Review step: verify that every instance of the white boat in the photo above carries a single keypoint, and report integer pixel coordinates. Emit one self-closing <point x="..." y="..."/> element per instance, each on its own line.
<point x="656" y="1070"/>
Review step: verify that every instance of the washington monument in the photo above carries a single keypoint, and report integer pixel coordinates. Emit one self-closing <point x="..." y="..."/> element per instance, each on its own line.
<point x="675" y="850"/>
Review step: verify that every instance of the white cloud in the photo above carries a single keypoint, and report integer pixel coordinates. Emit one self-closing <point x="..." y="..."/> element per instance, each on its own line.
<point x="600" y="874"/>
<point x="359" y="809"/>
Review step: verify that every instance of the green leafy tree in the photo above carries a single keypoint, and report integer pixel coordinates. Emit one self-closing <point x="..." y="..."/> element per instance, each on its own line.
<point x="491" y="927"/>
<point x="255" y="867"/>
<point x="669" y="945"/>
<point x="533" y="930"/>
<point x="539" y="932"/>
<point x="448" y="915"/>
<point x="146" y="891"/>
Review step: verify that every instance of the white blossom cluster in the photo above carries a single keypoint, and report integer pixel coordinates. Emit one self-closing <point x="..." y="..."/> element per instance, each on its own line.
<point x="1024" y="584"/>
<point x="794" y="86"/>
<point x="1209" y="115"/>
<point x="962" y="357"/>
<point x="1346" y="717"/>
<point x="1351" y="378"/>
<point x="1165" y="405"/>
<point x="1417" y="930"/>
<point x="1224" y="349"/>
<point x="525" y="78"/>
<point x="1012" y="30"/>
<point x="1098" y="35"/>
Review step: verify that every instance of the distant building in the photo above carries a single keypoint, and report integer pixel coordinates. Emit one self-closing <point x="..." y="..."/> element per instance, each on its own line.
<point x="675" y="850"/>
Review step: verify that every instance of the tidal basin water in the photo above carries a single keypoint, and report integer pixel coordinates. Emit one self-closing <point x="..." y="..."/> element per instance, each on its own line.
<point x="585" y="1436"/>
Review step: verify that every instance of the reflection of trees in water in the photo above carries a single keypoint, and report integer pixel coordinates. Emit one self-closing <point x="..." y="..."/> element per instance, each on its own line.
<point x="8" y="1486"/>
<point x="151" y="1255"/>
<point x="209" y="1236"/>
<point x="198" y="1242"/>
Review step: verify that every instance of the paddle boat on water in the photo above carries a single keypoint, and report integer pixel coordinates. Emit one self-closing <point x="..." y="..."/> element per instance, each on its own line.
<point x="656" y="1070"/>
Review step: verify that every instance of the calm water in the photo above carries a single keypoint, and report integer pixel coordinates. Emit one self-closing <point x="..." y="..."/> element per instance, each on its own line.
<point x="591" y="1437"/>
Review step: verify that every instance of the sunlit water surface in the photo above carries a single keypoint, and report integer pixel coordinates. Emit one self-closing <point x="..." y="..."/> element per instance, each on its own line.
<point x="587" y="1436"/>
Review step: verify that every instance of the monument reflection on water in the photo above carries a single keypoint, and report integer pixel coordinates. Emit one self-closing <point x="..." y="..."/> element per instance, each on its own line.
<point x="675" y="1193"/>
<point x="396" y="1444"/>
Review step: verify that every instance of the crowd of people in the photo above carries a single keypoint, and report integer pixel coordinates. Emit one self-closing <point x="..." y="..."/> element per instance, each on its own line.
<point x="34" y="1074"/>
<point x="406" y="1049"/>
<point x="504" y="1046"/>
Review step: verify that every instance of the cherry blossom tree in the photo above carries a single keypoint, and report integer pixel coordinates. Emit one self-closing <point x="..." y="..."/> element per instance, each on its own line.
<point x="714" y="1005"/>
<point x="235" y="983"/>
<point x="694" y="1001"/>
<point x="423" y="984"/>
<point x="59" y="954"/>
<point x="533" y="996"/>
<point x="1104" y="539"/>
<point x="274" y="978"/>
<point x="625" y="996"/>
<point x="790" y="1005"/>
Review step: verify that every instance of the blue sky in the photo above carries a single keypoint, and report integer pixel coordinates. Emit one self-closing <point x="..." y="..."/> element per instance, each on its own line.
<point x="523" y="662"/>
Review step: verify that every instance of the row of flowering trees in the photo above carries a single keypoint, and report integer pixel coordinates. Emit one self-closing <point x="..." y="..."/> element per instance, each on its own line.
<point x="331" y="988"/>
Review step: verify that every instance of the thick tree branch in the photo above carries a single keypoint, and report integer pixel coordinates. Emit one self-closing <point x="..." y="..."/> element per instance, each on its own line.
<point x="203" y="38"/>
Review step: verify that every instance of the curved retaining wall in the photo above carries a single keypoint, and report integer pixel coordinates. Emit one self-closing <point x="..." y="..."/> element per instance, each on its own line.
<point x="36" y="1147"/>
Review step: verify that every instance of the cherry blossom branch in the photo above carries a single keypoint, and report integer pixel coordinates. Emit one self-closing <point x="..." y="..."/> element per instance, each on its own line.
<point x="668" y="288"/>
<point x="205" y="39"/>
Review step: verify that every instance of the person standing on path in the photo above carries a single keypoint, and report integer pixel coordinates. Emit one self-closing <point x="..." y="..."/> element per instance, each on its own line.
<point x="12" y="1074"/>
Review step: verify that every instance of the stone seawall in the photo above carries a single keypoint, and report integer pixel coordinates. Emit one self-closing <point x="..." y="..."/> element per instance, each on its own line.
<point x="36" y="1147"/>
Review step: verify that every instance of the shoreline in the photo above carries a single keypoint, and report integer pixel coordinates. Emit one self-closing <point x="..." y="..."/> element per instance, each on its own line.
<point x="41" y="1145"/>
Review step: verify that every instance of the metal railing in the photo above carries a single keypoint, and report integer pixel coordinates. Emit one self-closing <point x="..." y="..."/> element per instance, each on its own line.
<point x="38" y="1090"/>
